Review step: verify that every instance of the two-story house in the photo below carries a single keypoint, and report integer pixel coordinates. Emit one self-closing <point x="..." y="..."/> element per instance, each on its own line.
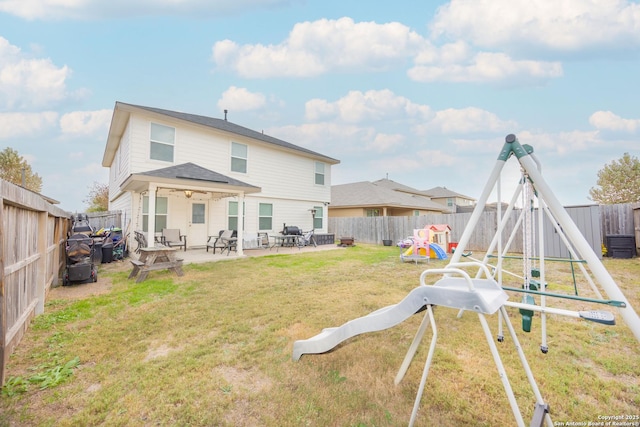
<point x="201" y="175"/>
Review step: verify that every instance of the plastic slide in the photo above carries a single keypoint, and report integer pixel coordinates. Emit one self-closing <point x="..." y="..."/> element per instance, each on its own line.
<point x="440" y="253"/>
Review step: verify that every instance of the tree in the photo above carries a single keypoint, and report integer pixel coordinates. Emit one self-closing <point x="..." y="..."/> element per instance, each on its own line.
<point x="618" y="182"/>
<point x="12" y="166"/>
<point x="98" y="199"/>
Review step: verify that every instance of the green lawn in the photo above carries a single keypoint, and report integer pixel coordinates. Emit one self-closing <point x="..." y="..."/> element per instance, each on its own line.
<point x="213" y="348"/>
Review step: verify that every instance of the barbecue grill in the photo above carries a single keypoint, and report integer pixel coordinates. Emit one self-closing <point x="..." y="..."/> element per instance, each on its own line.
<point x="291" y="230"/>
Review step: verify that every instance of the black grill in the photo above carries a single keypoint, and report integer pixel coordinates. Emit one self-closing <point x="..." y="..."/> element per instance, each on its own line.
<point x="291" y="230"/>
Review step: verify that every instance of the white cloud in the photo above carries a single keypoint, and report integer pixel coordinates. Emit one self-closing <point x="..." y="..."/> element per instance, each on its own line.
<point x="29" y="82"/>
<point x="482" y="67"/>
<point x="327" y="137"/>
<point x="372" y="105"/>
<point x="314" y="48"/>
<point x="383" y="142"/>
<point x="241" y="99"/>
<point x="83" y="123"/>
<point x="606" y="120"/>
<point x="85" y="9"/>
<point x="21" y="125"/>
<point x="467" y="120"/>
<point x="564" y="25"/>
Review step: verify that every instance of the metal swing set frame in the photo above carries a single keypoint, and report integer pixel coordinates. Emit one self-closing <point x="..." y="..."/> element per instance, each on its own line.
<point x="485" y="294"/>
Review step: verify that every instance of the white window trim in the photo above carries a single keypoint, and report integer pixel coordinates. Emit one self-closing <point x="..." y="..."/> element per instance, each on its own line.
<point x="231" y="157"/>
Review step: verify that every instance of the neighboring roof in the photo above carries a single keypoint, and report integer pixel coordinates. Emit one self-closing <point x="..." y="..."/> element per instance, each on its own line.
<point x="186" y="174"/>
<point x="396" y="186"/>
<point x="440" y="192"/>
<point x="122" y="110"/>
<point x="365" y="193"/>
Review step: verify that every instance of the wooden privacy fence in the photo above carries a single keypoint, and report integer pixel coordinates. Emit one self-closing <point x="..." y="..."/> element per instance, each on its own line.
<point x="32" y="255"/>
<point x="595" y="222"/>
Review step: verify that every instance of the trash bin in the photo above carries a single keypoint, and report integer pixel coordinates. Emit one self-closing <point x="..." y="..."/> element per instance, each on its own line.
<point x="107" y="252"/>
<point x="97" y="250"/>
<point x="621" y="245"/>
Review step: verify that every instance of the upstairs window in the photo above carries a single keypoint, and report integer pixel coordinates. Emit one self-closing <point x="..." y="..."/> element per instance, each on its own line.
<point x="319" y="173"/>
<point x="373" y="212"/>
<point x="162" y="142"/>
<point x="238" y="157"/>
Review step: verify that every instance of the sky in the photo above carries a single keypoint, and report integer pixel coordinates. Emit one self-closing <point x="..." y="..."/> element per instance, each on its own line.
<point x="421" y="92"/>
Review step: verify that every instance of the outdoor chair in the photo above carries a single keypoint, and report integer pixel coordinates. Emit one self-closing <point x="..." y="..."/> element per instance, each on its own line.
<point x="264" y="240"/>
<point x="308" y="239"/>
<point x="171" y="237"/>
<point x="226" y="239"/>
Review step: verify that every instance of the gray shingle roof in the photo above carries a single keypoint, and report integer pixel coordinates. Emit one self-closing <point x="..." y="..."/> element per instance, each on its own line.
<point x="197" y="173"/>
<point x="392" y="185"/>
<point x="227" y="126"/>
<point x="439" y="192"/>
<point x="367" y="193"/>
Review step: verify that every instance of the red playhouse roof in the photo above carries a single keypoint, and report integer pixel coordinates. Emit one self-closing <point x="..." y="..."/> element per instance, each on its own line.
<point x="439" y="227"/>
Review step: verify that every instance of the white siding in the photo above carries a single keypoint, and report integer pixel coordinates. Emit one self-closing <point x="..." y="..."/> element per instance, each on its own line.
<point x="287" y="179"/>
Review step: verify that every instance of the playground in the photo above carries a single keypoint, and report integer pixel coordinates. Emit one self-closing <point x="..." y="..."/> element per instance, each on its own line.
<point x="480" y="286"/>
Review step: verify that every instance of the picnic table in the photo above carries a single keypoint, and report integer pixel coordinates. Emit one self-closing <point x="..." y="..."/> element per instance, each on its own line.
<point x="155" y="258"/>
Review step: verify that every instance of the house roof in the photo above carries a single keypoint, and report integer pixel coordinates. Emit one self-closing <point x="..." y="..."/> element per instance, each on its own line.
<point x="440" y="192"/>
<point x="396" y="186"/>
<point x="365" y="193"/>
<point x="188" y="176"/>
<point x="122" y="111"/>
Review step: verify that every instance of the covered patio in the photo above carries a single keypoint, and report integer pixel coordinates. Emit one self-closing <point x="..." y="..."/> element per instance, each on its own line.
<point x="196" y="193"/>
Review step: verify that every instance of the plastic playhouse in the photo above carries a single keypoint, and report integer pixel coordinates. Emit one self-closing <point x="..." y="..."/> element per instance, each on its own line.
<point x="426" y="243"/>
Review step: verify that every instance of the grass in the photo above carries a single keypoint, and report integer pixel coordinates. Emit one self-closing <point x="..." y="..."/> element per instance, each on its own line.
<point x="214" y="348"/>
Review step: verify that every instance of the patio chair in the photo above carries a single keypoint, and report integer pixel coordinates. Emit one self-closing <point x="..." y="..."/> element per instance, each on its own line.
<point x="171" y="237"/>
<point x="223" y="241"/>
<point x="308" y="239"/>
<point x="264" y="240"/>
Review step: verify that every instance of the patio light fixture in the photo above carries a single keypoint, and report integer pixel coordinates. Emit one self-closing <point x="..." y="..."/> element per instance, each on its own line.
<point x="188" y="193"/>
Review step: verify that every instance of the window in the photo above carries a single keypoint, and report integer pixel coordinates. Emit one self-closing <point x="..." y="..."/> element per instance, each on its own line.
<point x="319" y="173"/>
<point x="416" y="213"/>
<point x="449" y="201"/>
<point x="161" y="213"/>
<point x="197" y="213"/>
<point x="265" y="216"/>
<point x="317" y="220"/>
<point x="233" y="216"/>
<point x="238" y="157"/>
<point x="373" y="212"/>
<point x="162" y="140"/>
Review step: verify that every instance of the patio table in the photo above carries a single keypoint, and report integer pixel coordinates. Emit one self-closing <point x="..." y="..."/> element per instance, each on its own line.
<point x="155" y="258"/>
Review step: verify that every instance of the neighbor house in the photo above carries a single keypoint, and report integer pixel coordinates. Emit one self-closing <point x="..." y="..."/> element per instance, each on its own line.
<point x="452" y="200"/>
<point x="201" y="175"/>
<point x="384" y="197"/>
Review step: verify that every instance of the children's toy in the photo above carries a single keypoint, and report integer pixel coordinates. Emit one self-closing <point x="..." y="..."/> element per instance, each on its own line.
<point x="426" y="243"/>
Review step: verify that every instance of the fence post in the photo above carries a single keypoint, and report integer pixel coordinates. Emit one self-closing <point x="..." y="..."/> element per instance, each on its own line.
<point x="41" y="275"/>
